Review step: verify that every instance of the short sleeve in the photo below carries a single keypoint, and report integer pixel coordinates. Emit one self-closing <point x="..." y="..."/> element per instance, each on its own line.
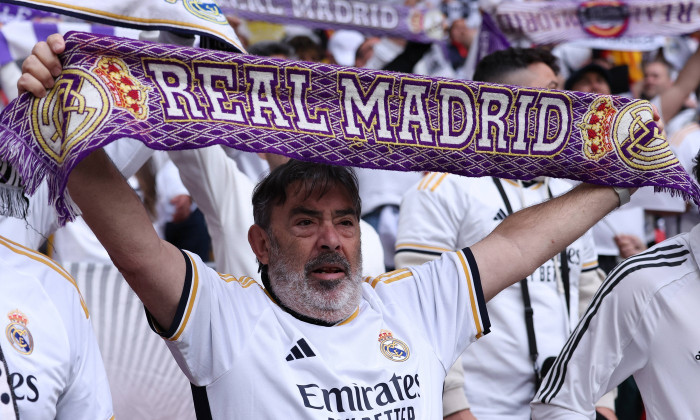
<point x="202" y="340"/>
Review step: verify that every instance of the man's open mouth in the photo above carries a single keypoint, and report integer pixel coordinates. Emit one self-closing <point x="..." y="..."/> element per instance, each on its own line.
<point x="327" y="269"/>
<point x="328" y="265"/>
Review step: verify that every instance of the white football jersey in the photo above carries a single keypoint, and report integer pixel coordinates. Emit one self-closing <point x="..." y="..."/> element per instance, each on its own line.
<point x="446" y="212"/>
<point x="250" y="359"/>
<point x="643" y="322"/>
<point x="54" y="365"/>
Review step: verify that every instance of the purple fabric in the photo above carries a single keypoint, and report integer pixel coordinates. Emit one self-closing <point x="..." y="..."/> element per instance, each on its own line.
<point x="102" y="29"/>
<point x="43" y="30"/>
<point x="178" y="98"/>
<point x="491" y="39"/>
<point x="10" y="12"/>
<point x="370" y="17"/>
<point x="5" y="54"/>
<point x="552" y="22"/>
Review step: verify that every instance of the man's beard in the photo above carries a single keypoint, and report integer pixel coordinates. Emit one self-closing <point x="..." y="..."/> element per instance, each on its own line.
<point x="331" y="301"/>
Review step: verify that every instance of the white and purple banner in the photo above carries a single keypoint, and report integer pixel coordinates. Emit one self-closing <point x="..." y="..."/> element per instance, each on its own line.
<point x="553" y="22"/>
<point x="198" y="17"/>
<point x="12" y="12"/>
<point x="421" y="23"/>
<point x="18" y="37"/>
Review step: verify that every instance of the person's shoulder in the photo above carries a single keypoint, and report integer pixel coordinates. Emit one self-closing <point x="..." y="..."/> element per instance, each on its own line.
<point x="446" y="184"/>
<point x="644" y="274"/>
<point x="392" y="277"/>
<point x="31" y="262"/>
<point x="56" y="281"/>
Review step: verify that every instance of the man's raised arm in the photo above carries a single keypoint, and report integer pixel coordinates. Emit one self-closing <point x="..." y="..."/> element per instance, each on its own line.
<point x="152" y="267"/>
<point x="688" y="79"/>
<point x="529" y="237"/>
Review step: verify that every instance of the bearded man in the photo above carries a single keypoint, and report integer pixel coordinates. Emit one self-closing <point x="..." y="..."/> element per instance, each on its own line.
<point x="317" y="341"/>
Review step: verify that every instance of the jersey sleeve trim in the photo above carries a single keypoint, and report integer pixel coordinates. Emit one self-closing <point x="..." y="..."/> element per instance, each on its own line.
<point x="422" y="249"/>
<point x="589" y="266"/>
<point x="43" y="259"/>
<point x="184" y="307"/>
<point x="476" y="294"/>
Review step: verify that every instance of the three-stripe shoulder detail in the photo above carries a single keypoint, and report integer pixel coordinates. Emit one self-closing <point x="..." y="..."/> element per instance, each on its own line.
<point x="389" y="277"/>
<point x="665" y="256"/>
<point x="43" y="259"/>
<point x="431" y="181"/>
<point x="243" y="281"/>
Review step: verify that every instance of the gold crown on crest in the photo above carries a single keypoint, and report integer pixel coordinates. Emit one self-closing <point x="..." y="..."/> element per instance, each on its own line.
<point x="385" y="334"/>
<point x="596" y="128"/>
<point x="18" y="317"/>
<point x="127" y="92"/>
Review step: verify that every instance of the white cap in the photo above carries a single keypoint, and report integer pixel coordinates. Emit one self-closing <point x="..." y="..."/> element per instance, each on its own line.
<point x="291" y="31"/>
<point x="343" y="44"/>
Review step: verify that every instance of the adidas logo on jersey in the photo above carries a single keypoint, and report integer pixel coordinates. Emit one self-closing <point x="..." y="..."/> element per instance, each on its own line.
<point x="300" y="350"/>
<point x="500" y="215"/>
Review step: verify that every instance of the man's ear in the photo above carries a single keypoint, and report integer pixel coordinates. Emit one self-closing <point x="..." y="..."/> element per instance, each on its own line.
<point x="259" y="242"/>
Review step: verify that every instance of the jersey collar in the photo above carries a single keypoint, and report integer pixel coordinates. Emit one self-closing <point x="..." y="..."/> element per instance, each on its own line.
<point x="297" y="315"/>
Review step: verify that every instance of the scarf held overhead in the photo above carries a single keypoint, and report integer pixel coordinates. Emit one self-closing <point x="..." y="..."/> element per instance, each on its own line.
<point x="550" y="22"/>
<point x="419" y="23"/>
<point x="198" y="17"/>
<point x="178" y="98"/>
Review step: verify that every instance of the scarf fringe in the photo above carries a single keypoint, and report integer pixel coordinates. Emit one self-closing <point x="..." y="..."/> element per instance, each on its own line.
<point x="13" y="203"/>
<point x="686" y="196"/>
<point x="32" y="173"/>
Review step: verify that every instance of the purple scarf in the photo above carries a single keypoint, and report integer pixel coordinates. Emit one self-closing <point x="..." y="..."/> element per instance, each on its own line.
<point x="371" y="17"/>
<point x="550" y="22"/>
<point x="178" y="98"/>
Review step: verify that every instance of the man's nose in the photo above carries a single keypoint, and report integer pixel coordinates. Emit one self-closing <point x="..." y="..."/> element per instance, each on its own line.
<point x="329" y="239"/>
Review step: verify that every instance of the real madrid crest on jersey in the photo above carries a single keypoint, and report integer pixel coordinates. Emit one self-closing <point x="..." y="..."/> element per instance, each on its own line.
<point x="18" y="334"/>
<point x="393" y="348"/>
<point x="203" y="9"/>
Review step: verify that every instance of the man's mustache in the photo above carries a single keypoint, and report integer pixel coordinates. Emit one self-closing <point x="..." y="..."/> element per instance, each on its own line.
<point x="329" y="258"/>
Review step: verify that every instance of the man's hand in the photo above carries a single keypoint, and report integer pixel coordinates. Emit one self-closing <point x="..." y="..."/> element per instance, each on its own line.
<point x="41" y="68"/>
<point x="183" y="205"/>
<point x="606" y="412"/>
<point x="629" y="245"/>
<point x="658" y="120"/>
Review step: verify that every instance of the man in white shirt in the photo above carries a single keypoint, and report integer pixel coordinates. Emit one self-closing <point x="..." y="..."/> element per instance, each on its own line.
<point x="50" y="363"/>
<point x="318" y="340"/>
<point x="642" y="322"/>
